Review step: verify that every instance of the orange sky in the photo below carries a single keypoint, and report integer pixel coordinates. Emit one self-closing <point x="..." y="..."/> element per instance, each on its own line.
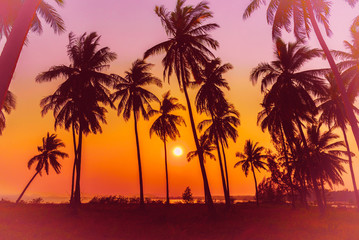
<point x="109" y="159"/>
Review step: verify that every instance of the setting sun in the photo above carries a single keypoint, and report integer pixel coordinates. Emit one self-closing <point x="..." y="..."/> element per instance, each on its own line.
<point x="177" y="151"/>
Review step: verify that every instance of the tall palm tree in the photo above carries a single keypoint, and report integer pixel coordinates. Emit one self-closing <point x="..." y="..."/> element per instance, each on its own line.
<point x="333" y="114"/>
<point x="49" y="153"/>
<point x="305" y="14"/>
<point x="9" y="105"/>
<point x="26" y="19"/>
<point x="187" y="49"/>
<point x="252" y="157"/>
<point x="135" y="99"/>
<point x="325" y="157"/>
<point x="220" y="127"/>
<point x="211" y="97"/>
<point x="76" y="104"/>
<point x="165" y="126"/>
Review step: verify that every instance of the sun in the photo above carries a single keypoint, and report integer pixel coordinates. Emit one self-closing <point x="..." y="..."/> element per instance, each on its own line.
<point x="177" y="151"/>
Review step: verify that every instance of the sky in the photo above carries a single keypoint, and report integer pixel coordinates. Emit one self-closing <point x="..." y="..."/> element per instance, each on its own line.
<point x="109" y="167"/>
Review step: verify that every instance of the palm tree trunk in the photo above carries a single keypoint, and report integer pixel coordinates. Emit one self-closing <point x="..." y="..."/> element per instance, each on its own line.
<point x="313" y="178"/>
<point x="323" y="192"/>
<point x="167" y="188"/>
<point x="347" y="105"/>
<point x="255" y="184"/>
<point x="351" y="167"/>
<point x="18" y="200"/>
<point x="226" y="171"/>
<point x="222" y="174"/>
<point x="77" y="195"/>
<point x="13" y="46"/>
<point x="287" y="164"/>
<point x="74" y="166"/>
<point x="142" y="202"/>
<point x="207" y="192"/>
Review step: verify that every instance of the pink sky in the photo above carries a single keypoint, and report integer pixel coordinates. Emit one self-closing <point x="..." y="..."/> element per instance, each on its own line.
<point x="129" y="28"/>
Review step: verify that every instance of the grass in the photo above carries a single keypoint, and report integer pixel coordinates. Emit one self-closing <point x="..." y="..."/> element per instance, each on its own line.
<point x="180" y="221"/>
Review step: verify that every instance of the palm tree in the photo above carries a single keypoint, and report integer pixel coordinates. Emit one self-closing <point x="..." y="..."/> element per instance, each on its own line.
<point x="333" y="115"/>
<point x="325" y="159"/>
<point x="134" y="99"/>
<point x="76" y="102"/>
<point x="49" y="153"/>
<point x="26" y="19"/>
<point x="220" y="127"/>
<point x="186" y="51"/>
<point x="251" y="158"/>
<point x="166" y="126"/>
<point x="9" y="105"/>
<point x="209" y="98"/>
<point x="305" y="14"/>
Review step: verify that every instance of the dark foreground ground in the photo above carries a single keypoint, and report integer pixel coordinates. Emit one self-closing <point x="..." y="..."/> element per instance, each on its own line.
<point x="245" y="221"/>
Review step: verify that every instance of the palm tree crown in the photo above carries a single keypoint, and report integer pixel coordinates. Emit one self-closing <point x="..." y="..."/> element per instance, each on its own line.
<point x="8" y="106"/>
<point x="49" y="154"/>
<point x="166" y="124"/>
<point x="130" y="92"/>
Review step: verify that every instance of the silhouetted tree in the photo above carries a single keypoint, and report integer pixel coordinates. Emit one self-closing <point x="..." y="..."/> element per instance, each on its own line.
<point x="210" y="99"/>
<point x="49" y="153"/>
<point x="76" y="102"/>
<point x="165" y="126"/>
<point x="305" y="14"/>
<point x="252" y="157"/>
<point x="186" y="51"/>
<point x="333" y="115"/>
<point x="220" y="127"/>
<point x="206" y="147"/>
<point x="187" y="195"/>
<point x="134" y="99"/>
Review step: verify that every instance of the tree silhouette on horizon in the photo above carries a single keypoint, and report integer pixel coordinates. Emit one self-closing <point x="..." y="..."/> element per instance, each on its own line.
<point x="165" y="125"/>
<point x="135" y="100"/>
<point x="48" y="156"/>
<point x="76" y="103"/>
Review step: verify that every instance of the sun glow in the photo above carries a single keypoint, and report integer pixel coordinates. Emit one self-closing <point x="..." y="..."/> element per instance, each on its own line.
<point x="177" y="151"/>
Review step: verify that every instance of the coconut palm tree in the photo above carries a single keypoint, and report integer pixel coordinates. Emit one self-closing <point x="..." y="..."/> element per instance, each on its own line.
<point x="49" y="154"/>
<point x="333" y="114"/>
<point x="325" y="157"/>
<point x="9" y="105"/>
<point x="165" y="126"/>
<point x="135" y="99"/>
<point x="26" y="18"/>
<point x="305" y="14"/>
<point x="252" y="157"/>
<point x="220" y="127"/>
<point x="76" y="104"/>
<point x="187" y="49"/>
<point x="211" y="97"/>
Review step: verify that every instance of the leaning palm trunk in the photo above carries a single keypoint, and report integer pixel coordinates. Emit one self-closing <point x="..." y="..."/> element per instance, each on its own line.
<point x="13" y="46"/>
<point x="255" y="184"/>
<point x="224" y="185"/>
<point x="351" y="168"/>
<point x="74" y="166"/>
<point x="207" y="193"/>
<point x="226" y="171"/>
<point x="167" y="188"/>
<point x="323" y="193"/>
<point x="347" y="106"/>
<point x="18" y="200"/>
<point x="312" y="175"/>
<point x="142" y="202"/>
<point x="77" y="194"/>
